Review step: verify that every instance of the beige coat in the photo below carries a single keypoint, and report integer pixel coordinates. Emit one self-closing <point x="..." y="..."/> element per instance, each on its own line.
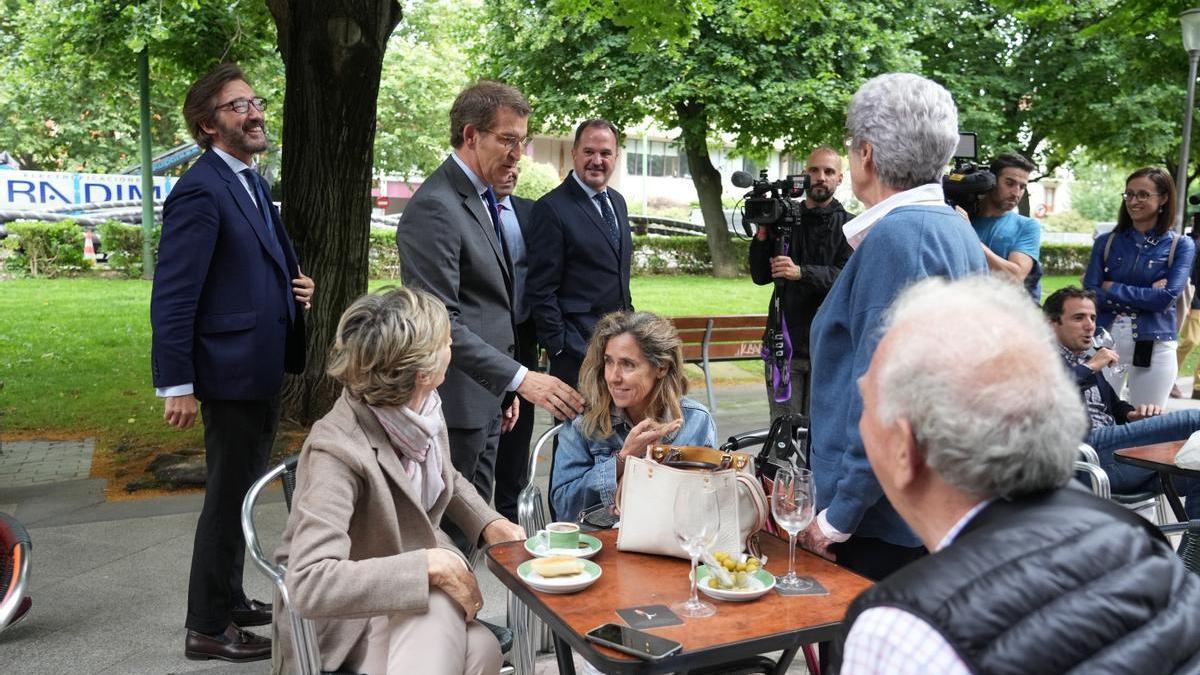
<point x="356" y="537"/>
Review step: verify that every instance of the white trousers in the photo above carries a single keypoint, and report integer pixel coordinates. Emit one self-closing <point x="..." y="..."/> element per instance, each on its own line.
<point x="1146" y="385"/>
<point x="437" y="642"/>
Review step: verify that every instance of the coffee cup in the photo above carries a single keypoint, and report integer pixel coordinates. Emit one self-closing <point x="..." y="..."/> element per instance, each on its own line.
<point x="562" y="535"/>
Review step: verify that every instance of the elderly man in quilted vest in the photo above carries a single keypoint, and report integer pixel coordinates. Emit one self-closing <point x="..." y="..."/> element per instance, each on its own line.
<point x="971" y="424"/>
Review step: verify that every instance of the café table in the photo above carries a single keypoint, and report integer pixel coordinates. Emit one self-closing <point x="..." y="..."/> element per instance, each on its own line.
<point x="1160" y="458"/>
<point x="738" y="630"/>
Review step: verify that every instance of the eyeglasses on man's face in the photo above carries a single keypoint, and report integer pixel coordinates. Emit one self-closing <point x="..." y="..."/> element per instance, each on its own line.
<point x="241" y="105"/>
<point x="1139" y="196"/>
<point x="510" y="141"/>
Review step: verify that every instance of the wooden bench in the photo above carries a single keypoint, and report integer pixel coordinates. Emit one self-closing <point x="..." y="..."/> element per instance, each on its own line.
<point x="709" y="339"/>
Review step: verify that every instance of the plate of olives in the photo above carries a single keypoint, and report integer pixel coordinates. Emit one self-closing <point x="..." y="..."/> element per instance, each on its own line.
<point x="748" y="579"/>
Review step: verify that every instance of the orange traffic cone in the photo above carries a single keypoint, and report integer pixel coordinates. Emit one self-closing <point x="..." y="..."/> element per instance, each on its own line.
<point x="89" y="251"/>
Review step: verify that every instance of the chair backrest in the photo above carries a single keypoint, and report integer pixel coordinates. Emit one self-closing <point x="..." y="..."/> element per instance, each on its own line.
<point x="532" y="506"/>
<point x="304" y="637"/>
<point x="15" y="546"/>
<point x="1189" y="542"/>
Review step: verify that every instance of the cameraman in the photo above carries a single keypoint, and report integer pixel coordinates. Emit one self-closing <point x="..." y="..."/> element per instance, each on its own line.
<point x="817" y="253"/>
<point x="1011" y="242"/>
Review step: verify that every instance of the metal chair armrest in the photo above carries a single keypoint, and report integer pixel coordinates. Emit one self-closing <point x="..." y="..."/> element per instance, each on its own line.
<point x="1099" y="479"/>
<point x="1088" y="454"/>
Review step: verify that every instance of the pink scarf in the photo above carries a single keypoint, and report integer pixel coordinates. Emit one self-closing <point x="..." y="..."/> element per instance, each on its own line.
<point x="415" y="436"/>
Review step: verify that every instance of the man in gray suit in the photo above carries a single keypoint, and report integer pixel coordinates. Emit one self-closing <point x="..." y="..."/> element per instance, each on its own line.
<point x="451" y="245"/>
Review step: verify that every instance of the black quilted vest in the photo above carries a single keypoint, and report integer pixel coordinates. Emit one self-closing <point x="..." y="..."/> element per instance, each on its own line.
<point x="1058" y="582"/>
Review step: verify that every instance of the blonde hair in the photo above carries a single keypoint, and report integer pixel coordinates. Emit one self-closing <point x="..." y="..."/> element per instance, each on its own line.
<point x="660" y="345"/>
<point x="384" y="340"/>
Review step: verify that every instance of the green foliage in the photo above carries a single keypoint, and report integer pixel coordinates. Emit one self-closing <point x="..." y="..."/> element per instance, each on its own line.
<point x="1068" y="221"/>
<point x="1096" y="191"/>
<point x="49" y="249"/>
<point x="422" y="73"/>
<point x="123" y="246"/>
<point x="681" y="255"/>
<point x="537" y="178"/>
<point x="69" y="69"/>
<point x="383" y="257"/>
<point x="1060" y="259"/>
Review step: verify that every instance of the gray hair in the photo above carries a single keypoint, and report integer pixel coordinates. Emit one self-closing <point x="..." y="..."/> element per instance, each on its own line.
<point x="384" y="340"/>
<point x="980" y="381"/>
<point x="911" y="124"/>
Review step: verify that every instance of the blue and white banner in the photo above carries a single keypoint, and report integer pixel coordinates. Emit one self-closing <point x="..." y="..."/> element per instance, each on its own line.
<point x="58" y="189"/>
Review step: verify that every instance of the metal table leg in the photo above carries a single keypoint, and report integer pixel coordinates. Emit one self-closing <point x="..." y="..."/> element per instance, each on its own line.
<point x="1172" y="494"/>
<point x="523" y="636"/>
<point x="562" y="652"/>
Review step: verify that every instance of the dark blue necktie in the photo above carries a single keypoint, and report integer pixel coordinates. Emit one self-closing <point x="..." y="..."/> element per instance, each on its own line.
<point x="264" y="206"/>
<point x="494" y="209"/>
<point x="609" y="217"/>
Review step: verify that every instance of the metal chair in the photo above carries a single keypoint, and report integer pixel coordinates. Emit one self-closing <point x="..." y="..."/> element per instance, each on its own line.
<point x="530" y="635"/>
<point x="1189" y="542"/>
<point x="1089" y="462"/>
<point x="15" y="546"/>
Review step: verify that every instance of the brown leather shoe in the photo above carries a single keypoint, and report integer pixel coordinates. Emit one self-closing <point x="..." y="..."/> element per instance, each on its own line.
<point x="255" y="613"/>
<point x="1196" y="393"/>
<point x="234" y="645"/>
<point x="1176" y="392"/>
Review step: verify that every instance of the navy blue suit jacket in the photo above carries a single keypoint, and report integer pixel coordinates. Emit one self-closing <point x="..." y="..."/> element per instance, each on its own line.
<point x="219" y="308"/>
<point x="576" y="275"/>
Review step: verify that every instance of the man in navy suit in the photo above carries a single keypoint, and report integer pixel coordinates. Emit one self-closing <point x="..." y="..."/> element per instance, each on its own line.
<point x="512" y="457"/>
<point x="580" y="251"/>
<point x="227" y="311"/>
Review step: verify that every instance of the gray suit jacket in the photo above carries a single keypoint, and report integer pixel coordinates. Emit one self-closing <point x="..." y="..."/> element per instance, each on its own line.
<point x="448" y="247"/>
<point x="356" y="537"/>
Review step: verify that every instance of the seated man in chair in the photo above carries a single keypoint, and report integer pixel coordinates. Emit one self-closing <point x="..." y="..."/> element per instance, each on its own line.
<point x="972" y="432"/>
<point x="1115" y="424"/>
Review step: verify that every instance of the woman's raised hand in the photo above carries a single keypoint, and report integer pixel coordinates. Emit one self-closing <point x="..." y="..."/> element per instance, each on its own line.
<point x="645" y="433"/>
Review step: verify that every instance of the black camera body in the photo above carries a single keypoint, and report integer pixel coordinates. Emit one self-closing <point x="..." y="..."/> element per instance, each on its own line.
<point x="771" y="203"/>
<point x="967" y="182"/>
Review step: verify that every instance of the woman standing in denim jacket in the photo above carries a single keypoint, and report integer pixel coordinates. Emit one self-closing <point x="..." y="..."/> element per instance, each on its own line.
<point x="1136" y="279"/>
<point x="632" y="380"/>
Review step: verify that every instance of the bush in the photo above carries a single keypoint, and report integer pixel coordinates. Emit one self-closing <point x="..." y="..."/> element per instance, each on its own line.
<point x="1058" y="259"/>
<point x="123" y="245"/>
<point x="537" y="178"/>
<point x="45" y="248"/>
<point x="681" y="255"/>
<point x="1068" y="221"/>
<point x="383" y="258"/>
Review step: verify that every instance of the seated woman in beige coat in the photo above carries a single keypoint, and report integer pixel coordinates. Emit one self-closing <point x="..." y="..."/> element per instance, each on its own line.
<point x="366" y="557"/>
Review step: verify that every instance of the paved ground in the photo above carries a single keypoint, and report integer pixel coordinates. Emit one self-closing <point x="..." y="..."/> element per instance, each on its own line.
<point x="109" y="579"/>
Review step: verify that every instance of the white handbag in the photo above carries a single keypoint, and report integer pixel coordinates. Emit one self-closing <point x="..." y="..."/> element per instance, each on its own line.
<point x="646" y="499"/>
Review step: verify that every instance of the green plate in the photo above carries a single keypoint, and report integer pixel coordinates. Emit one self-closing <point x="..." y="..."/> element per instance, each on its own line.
<point x="571" y="584"/>
<point x="538" y="547"/>
<point x="760" y="583"/>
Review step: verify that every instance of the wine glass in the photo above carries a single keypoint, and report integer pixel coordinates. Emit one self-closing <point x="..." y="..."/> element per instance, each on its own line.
<point x="1102" y="339"/>
<point x="792" y="505"/>
<point x="697" y="522"/>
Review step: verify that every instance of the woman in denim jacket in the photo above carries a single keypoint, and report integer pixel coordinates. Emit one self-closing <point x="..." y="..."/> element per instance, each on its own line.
<point x="632" y="380"/>
<point x="1136" y="286"/>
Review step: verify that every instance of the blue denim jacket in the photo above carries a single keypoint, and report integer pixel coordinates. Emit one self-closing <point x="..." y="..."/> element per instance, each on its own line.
<point x="585" y="470"/>
<point x="1134" y="263"/>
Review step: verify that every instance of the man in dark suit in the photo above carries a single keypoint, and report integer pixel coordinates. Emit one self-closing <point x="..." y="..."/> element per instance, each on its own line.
<point x="580" y="252"/>
<point x="512" y="459"/>
<point x="451" y="245"/>
<point x="227" y="310"/>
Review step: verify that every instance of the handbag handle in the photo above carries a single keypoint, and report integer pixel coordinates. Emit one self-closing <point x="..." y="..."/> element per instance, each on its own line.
<point x="685" y="464"/>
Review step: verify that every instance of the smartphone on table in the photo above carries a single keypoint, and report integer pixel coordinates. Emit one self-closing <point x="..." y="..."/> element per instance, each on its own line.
<point x="633" y="642"/>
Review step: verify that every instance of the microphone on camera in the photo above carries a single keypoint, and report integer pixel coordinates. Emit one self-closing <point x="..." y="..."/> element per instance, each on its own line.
<point x="742" y="179"/>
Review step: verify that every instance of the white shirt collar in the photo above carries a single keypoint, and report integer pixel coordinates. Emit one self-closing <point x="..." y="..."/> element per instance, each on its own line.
<point x="480" y="186"/>
<point x="587" y="189"/>
<point x="856" y="229"/>
<point x="958" y="527"/>
<point x="236" y="165"/>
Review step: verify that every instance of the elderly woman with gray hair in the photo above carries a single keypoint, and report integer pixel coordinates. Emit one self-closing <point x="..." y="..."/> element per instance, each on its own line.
<point x="902" y="130"/>
<point x="366" y="557"/>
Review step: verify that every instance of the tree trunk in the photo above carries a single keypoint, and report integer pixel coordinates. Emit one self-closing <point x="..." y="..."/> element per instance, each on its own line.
<point x="333" y="55"/>
<point x="694" y="121"/>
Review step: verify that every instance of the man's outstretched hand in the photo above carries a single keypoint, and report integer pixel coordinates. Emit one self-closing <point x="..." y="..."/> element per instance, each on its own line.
<point x="551" y="394"/>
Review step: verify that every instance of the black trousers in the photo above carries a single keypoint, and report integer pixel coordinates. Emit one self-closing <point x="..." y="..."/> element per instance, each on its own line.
<point x="473" y="453"/>
<point x="566" y="368"/>
<point x="512" y="455"/>
<point x="238" y="436"/>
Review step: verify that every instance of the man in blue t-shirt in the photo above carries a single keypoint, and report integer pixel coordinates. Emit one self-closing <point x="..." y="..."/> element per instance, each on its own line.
<point x="1011" y="242"/>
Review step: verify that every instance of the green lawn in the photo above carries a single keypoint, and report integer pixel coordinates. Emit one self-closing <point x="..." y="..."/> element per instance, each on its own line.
<point x="75" y="353"/>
